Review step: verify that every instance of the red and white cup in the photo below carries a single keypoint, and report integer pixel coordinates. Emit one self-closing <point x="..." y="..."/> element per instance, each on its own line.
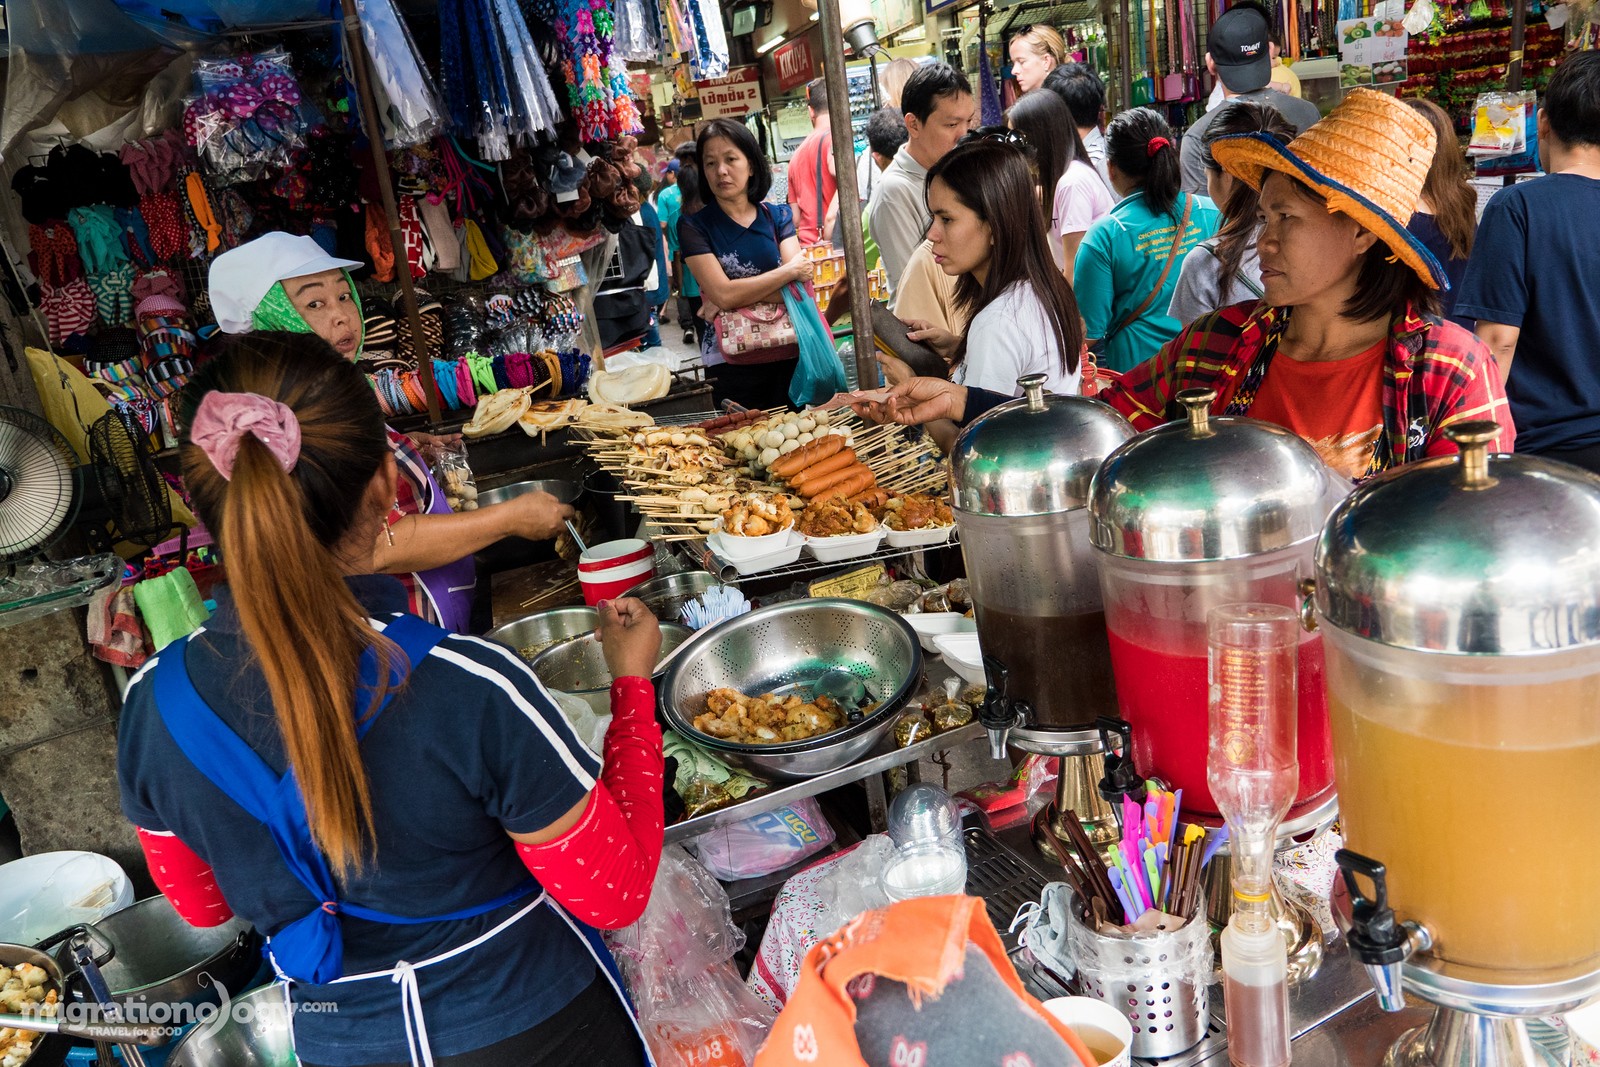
<point x="608" y="570"/>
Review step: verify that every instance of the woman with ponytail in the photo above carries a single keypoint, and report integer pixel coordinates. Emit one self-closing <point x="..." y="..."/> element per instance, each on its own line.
<point x="1127" y="266"/>
<point x="366" y="788"/>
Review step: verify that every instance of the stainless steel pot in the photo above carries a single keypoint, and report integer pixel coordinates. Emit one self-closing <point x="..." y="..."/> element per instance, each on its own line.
<point x="255" y="1033"/>
<point x="666" y="595"/>
<point x="157" y="956"/>
<point x="545" y="628"/>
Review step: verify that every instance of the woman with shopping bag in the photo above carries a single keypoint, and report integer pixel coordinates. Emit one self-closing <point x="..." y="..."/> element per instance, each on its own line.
<point x="404" y="812"/>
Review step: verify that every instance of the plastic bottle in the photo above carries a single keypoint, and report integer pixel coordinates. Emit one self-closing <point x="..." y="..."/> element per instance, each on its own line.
<point x="1255" y="990"/>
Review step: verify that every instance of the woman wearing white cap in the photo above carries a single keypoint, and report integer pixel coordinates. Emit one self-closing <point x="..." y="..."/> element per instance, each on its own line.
<point x="283" y="282"/>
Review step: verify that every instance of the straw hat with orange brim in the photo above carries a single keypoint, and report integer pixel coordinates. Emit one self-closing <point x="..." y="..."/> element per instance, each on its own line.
<point x="1368" y="158"/>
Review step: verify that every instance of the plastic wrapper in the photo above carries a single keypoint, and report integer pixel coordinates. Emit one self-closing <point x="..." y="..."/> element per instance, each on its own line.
<point x="636" y="36"/>
<point x="765" y="843"/>
<point x="406" y="98"/>
<point x="246" y="120"/>
<point x="454" y="475"/>
<point x="693" y="1009"/>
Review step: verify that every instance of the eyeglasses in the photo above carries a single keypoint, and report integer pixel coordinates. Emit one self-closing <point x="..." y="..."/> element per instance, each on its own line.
<point x="997" y="135"/>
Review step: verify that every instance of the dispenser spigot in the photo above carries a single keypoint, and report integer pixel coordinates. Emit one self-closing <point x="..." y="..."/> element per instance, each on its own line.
<point x="1122" y="778"/>
<point x="1379" y="941"/>
<point x="1000" y="714"/>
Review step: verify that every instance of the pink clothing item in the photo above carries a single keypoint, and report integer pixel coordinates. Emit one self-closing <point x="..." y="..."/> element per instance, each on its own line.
<point x="223" y="419"/>
<point x="1081" y="199"/>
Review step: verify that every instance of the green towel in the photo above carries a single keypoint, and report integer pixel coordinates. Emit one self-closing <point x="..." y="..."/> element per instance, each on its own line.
<point x="171" y="606"/>
<point x="696" y="763"/>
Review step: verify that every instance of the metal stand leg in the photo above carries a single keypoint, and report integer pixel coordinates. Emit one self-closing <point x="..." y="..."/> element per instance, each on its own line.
<point x="1459" y="1039"/>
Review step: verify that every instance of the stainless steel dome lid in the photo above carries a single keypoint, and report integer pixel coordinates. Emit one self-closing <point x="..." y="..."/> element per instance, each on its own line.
<point x="1467" y="554"/>
<point x="1034" y="455"/>
<point x="1209" y="489"/>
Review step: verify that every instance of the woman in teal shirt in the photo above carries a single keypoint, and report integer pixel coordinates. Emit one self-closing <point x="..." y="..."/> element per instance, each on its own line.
<point x="1127" y="265"/>
<point x="670" y="204"/>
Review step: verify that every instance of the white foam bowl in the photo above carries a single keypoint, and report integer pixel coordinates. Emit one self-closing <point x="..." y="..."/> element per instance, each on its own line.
<point x="734" y="548"/>
<point x="930" y="535"/>
<point x="845" y="546"/>
<point x="963" y="655"/>
<point x="931" y="624"/>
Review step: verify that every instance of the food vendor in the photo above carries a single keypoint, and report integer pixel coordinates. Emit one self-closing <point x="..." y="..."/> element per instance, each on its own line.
<point x="430" y="874"/>
<point x="1371" y="374"/>
<point x="283" y="282"/>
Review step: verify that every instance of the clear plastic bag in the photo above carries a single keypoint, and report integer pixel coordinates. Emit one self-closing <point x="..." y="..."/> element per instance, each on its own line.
<point x="246" y="120"/>
<point x="401" y="82"/>
<point x="693" y="1009"/>
<point x="636" y="37"/>
<point x="765" y="843"/>
<point x="454" y="475"/>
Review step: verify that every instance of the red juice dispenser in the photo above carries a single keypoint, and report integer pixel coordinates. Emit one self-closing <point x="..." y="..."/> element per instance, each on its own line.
<point x="1193" y="516"/>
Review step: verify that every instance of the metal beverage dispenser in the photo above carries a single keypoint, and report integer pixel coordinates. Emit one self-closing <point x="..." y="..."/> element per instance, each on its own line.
<point x="1020" y="478"/>
<point x="1459" y="599"/>
<point x="1195" y="515"/>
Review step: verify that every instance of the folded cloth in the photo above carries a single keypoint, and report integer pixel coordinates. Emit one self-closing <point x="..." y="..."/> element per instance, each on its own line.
<point x="115" y="633"/>
<point x="171" y="606"/>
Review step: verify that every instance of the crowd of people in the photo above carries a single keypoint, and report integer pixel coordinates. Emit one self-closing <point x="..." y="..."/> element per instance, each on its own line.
<point x="1122" y="259"/>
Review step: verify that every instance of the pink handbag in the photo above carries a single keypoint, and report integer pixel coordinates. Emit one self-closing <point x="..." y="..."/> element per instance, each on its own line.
<point x="760" y="333"/>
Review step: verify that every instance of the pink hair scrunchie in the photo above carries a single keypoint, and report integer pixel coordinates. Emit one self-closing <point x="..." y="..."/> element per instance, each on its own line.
<point x="223" y="419"/>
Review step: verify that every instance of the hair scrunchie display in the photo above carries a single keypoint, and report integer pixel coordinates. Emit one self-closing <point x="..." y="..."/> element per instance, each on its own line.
<point x="444" y="378"/>
<point x="411" y="382"/>
<point x="1156" y="144"/>
<point x="482" y="374"/>
<point x="519" y="370"/>
<point x="501" y="381"/>
<point x="223" y="419"/>
<point x="464" y="385"/>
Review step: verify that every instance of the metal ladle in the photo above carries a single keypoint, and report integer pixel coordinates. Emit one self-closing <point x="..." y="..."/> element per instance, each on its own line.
<point x="843" y="687"/>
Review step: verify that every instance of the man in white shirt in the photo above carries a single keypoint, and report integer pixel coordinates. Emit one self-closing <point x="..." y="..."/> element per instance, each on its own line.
<point x="939" y="110"/>
<point x="1085" y="97"/>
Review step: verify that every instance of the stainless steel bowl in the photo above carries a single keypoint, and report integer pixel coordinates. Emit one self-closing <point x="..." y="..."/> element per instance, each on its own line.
<point x="785" y="648"/>
<point x="564" y="491"/>
<point x="160" y="957"/>
<point x="665" y="596"/>
<point x="577" y="665"/>
<point x="545" y="628"/>
<point x="266" y="1040"/>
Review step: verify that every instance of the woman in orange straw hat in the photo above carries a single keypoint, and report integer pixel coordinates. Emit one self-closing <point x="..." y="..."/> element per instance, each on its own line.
<point x="1346" y="348"/>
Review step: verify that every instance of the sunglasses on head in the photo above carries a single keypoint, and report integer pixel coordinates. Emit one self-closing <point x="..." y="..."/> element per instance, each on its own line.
<point x="996" y="135"/>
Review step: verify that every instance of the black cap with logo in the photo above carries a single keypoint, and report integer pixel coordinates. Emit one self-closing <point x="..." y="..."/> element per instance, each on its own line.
<point x="1240" y="45"/>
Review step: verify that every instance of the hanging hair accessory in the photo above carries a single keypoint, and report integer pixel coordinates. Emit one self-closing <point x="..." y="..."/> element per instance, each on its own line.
<point x="223" y="419"/>
<point x="1155" y="145"/>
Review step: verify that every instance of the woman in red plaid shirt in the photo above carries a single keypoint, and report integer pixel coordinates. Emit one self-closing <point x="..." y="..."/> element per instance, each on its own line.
<point x="1370" y="374"/>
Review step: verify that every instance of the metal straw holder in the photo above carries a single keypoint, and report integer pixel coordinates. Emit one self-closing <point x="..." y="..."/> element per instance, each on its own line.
<point x="1160" y="981"/>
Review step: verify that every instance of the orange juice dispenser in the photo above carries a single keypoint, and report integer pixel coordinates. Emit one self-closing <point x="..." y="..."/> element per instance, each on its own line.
<point x="1020" y="480"/>
<point x="1459" y="602"/>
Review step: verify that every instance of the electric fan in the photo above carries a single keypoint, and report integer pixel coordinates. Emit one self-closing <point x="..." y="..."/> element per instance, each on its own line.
<point x="37" y="500"/>
<point x="132" y="491"/>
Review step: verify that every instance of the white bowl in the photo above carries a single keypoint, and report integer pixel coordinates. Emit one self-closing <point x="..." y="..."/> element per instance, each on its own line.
<point x="781" y="557"/>
<point x="930" y="624"/>
<point x="49" y="891"/>
<point x="734" y="548"/>
<point x="929" y="535"/>
<point x="845" y="546"/>
<point x="963" y="655"/>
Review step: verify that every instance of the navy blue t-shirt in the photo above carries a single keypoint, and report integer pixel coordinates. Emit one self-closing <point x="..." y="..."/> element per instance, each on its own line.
<point x="1536" y="265"/>
<point x="1425" y="228"/>
<point x="743" y="251"/>
<point x="472" y="747"/>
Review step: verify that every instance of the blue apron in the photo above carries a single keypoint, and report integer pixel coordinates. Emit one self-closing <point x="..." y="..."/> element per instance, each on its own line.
<point x="311" y="948"/>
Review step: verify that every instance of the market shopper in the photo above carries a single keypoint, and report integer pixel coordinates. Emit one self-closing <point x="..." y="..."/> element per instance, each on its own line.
<point x="1034" y="53"/>
<point x="283" y="282"/>
<point x="1239" y="56"/>
<point x="939" y="110"/>
<point x="1127" y="265"/>
<point x="1224" y="270"/>
<point x="1533" y="283"/>
<point x="813" y="185"/>
<point x="1081" y="90"/>
<point x="683" y="198"/>
<point x="988" y="233"/>
<point x="1446" y="219"/>
<point x="1072" y="196"/>
<point x="886" y="132"/>
<point x="436" y="786"/>
<point x="1369" y="373"/>
<point x="742" y="251"/>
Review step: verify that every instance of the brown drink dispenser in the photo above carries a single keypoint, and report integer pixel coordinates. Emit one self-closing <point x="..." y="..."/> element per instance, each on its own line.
<point x="1020" y="478"/>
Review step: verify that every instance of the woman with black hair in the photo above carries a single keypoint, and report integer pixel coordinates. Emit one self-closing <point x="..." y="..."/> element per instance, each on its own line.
<point x="1127" y="265"/>
<point x="742" y="251"/>
<point x="1223" y="270"/>
<point x="988" y="233"/>
<point x="1071" y="194"/>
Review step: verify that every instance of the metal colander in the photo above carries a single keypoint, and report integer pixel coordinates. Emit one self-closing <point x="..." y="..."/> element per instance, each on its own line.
<point x="785" y="649"/>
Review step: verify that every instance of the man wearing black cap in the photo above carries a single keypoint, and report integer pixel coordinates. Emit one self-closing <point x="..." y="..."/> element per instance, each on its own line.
<point x="1239" y="55"/>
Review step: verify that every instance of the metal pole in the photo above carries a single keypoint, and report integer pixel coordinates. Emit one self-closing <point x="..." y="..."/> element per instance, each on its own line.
<point x="1519" y="23"/>
<point x="370" y="121"/>
<point x="844" y="166"/>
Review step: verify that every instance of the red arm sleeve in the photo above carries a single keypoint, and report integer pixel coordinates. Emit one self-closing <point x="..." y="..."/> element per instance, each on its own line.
<point x="601" y="870"/>
<point x="184" y="879"/>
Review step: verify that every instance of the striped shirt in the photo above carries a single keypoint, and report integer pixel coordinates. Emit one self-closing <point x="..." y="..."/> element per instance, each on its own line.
<point x="471" y="748"/>
<point x="413" y="495"/>
<point x="1434" y="374"/>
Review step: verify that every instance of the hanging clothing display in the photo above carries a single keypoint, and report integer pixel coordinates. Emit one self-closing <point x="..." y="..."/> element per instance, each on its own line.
<point x="496" y="87"/>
